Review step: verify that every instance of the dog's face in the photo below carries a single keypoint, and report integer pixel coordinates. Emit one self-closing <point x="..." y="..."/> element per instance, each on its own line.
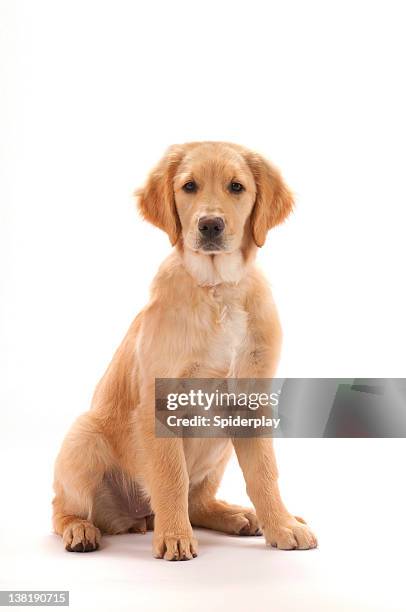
<point x="215" y="196"/>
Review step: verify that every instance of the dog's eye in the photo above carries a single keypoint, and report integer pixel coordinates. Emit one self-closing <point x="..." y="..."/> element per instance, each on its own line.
<point x="190" y="187"/>
<point x="236" y="187"/>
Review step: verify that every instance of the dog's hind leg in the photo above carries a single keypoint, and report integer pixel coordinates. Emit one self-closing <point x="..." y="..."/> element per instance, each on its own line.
<point x="84" y="458"/>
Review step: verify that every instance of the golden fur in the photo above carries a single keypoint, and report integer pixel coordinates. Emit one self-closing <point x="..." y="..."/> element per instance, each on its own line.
<point x="211" y="314"/>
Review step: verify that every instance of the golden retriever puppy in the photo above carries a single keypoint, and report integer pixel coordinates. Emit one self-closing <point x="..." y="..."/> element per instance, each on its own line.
<point x="210" y="315"/>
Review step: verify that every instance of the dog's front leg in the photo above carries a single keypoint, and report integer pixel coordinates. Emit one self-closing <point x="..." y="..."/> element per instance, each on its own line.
<point x="168" y="485"/>
<point x="281" y="529"/>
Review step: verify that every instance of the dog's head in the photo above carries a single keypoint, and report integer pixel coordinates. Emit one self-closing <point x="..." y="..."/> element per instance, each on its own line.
<point x="215" y="196"/>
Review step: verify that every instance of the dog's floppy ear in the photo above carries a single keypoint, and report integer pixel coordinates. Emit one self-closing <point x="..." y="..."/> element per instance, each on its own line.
<point x="156" y="200"/>
<point x="273" y="202"/>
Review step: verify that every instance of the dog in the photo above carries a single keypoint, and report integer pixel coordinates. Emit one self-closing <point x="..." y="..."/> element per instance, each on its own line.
<point x="210" y="315"/>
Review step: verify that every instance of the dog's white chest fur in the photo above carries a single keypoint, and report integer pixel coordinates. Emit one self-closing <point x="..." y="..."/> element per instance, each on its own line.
<point x="229" y="329"/>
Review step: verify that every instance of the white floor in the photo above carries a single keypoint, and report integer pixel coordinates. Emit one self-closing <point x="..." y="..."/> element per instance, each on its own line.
<point x="352" y="493"/>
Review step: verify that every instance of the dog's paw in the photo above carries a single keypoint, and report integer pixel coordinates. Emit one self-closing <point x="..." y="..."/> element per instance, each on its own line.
<point x="139" y="526"/>
<point x="81" y="536"/>
<point x="243" y="523"/>
<point x="290" y="533"/>
<point x="174" y="547"/>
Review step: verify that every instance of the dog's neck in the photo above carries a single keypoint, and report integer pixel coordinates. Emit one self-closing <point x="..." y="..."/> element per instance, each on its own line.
<point x="211" y="270"/>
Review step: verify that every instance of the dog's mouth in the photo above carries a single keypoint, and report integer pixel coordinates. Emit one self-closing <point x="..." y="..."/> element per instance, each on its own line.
<point x="211" y="246"/>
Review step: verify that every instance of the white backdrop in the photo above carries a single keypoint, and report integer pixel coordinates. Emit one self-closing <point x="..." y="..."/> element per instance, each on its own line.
<point x="92" y="94"/>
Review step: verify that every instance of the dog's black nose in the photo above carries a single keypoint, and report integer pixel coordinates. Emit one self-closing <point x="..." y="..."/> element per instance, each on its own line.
<point x="211" y="227"/>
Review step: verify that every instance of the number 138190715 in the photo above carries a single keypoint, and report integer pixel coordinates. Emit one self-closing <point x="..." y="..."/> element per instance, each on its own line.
<point x="34" y="598"/>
